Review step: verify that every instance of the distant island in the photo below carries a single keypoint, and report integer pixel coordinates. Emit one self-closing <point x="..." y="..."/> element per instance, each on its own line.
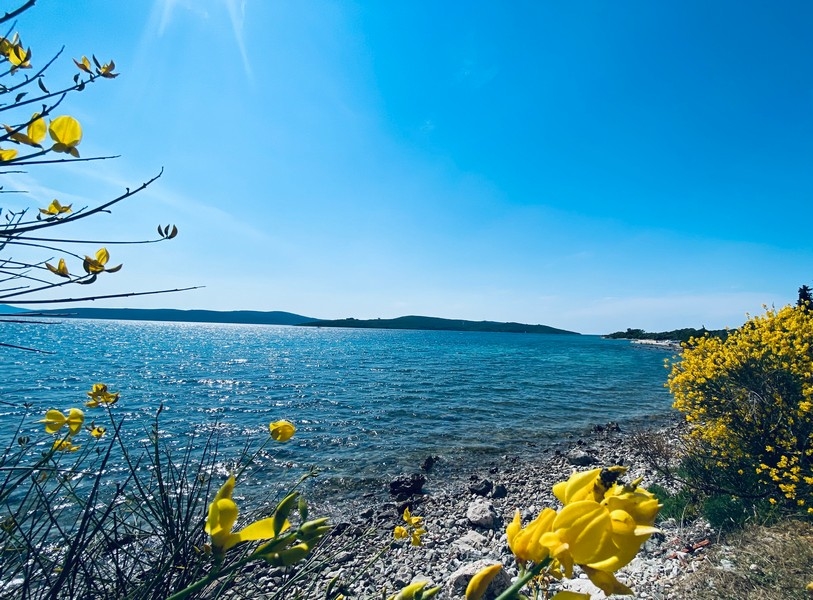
<point x="248" y="317"/>
<point x="676" y="335"/>
<point x="254" y="317"/>
<point x="438" y="324"/>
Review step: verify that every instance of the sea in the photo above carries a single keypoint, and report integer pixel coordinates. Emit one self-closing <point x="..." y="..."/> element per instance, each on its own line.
<point x="367" y="404"/>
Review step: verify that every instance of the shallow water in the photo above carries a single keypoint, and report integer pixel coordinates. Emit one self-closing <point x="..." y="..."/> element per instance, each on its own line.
<point x="367" y="404"/>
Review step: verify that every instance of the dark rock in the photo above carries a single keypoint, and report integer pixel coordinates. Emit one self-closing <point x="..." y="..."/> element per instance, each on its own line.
<point x="481" y="488"/>
<point x="404" y="486"/>
<point x="429" y="462"/>
<point x="367" y="514"/>
<point x="340" y="528"/>
<point x="499" y="491"/>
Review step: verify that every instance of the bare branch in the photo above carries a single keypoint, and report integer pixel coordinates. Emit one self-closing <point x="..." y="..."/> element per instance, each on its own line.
<point x="24" y="160"/>
<point x="17" y="12"/>
<point x="92" y="298"/>
<point x="92" y="211"/>
<point x="25" y="348"/>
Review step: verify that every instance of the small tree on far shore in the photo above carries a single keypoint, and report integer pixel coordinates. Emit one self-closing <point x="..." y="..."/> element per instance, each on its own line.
<point x="805" y="299"/>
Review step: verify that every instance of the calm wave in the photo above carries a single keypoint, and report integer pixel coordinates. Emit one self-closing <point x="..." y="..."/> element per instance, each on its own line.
<point x="367" y="404"/>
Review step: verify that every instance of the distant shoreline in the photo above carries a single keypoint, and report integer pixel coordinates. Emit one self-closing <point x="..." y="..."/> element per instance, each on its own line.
<point x="250" y="317"/>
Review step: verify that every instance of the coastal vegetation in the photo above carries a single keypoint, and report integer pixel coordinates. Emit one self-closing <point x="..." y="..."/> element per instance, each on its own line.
<point x="676" y="335"/>
<point x="748" y="402"/>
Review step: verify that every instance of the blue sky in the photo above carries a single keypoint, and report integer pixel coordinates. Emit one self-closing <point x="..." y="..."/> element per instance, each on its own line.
<point x="592" y="166"/>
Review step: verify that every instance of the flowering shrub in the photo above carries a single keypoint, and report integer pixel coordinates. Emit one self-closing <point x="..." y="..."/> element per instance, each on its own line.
<point x="749" y="403"/>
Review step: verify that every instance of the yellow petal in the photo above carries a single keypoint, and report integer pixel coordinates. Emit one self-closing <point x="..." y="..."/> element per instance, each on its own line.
<point x="102" y="255"/>
<point x="586" y="527"/>
<point x="606" y="581"/>
<point x="525" y="543"/>
<point x="479" y="583"/>
<point x="64" y="446"/>
<point x="222" y="516"/>
<point x="83" y="65"/>
<point x="54" y="421"/>
<point x="213" y="520"/>
<point x="19" y="57"/>
<point x="7" y="154"/>
<point x="61" y="269"/>
<point x="579" y="486"/>
<point x="282" y="431"/>
<point x="261" y="530"/>
<point x="512" y="530"/>
<point x="67" y="131"/>
<point x="37" y="128"/>
<point x="75" y="419"/>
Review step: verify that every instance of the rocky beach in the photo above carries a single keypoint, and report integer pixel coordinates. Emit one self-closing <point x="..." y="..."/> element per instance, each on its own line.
<point x="465" y="513"/>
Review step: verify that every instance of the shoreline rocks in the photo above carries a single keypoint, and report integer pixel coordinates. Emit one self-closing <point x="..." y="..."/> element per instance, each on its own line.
<point x="465" y="514"/>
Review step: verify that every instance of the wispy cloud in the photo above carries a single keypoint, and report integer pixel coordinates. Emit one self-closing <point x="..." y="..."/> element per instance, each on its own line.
<point x="237" y="16"/>
<point x="164" y="11"/>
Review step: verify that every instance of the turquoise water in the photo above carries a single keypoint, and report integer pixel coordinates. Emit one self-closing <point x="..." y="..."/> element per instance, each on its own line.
<point x="367" y="404"/>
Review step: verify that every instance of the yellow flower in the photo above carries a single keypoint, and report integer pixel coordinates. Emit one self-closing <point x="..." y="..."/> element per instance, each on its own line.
<point x="18" y="57"/>
<point x="580" y="533"/>
<point x="97" y="431"/>
<point x="55" y="208"/>
<point x="479" y="583"/>
<point x="587" y="485"/>
<point x="412" y="529"/>
<point x="97" y="265"/>
<point x="641" y="505"/>
<point x="35" y="132"/>
<point x="66" y="133"/>
<point x="524" y="542"/>
<point x="606" y="581"/>
<point x="282" y="431"/>
<point x="415" y="536"/>
<point x="84" y="64"/>
<point x="409" y="519"/>
<point x="106" y="70"/>
<point x="61" y="269"/>
<point x="99" y="395"/>
<point x="7" y="154"/>
<point x="64" y="446"/>
<point x="54" y="420"/>
<point x="223" y="515"/>
<point x="601" y="527"/>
